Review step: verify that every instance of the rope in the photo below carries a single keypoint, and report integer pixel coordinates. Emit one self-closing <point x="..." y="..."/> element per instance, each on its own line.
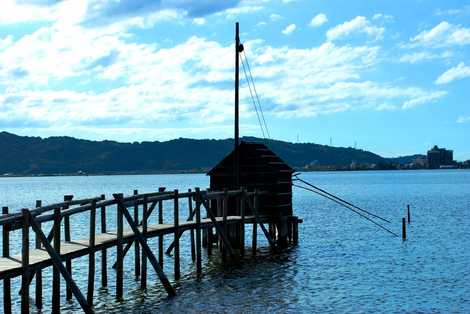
<point x="348" y="207"/>
<point x="256" y="94"/>
<point x="340" y="199"/>
<point x="253" y="99"/>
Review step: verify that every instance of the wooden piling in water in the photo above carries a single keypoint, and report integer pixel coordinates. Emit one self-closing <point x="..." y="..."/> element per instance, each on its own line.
<point x="160" y="221"/>
<point x="143" y="278"/>
<point x="91" y="255"/>
<point x="136" y="243"/>
<point x="6" y="253"/>
<point x="67" y="238"/>
<point x="55" y="271"/>
<point x="242" y="224"/>
<point x="38" y="290"/>
<point x="25" y="264"/>
<point x="224" y="223"/>
<point x="104" y="257"/>
<point x="403" y="228"/>
<point x="198" y="233"/>
<point x="190" y="209"/>
<point x="295" y="232"/>
<point x="176" y="236"/>
<point x="119" y="252"/>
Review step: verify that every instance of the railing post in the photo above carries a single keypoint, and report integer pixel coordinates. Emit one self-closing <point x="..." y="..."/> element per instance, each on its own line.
<point x="160" y="222"/>
<point x="6" y="253"/>
<point x="25" y="263"/>
<point x="176" y="235"/>
<point x="119" y="251"/>
<point x="198" y="232"/>
<point x="55" y="271"/>
<point x="190" y="209"/>
<point x="224" y="219"/>
<point x="136" y="243"/>
<point x="255" y="231"/>
<point x="104" y="257"/>
<point x="143" y="277"/>
<point x="91" y="256"/>
<point x="67" y="238"/>
<point x="242" y="224"/>
<point x="38" y="292"/>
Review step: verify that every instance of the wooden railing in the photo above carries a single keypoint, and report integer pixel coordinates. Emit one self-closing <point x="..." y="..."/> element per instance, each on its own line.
<point x="144" y="205"/>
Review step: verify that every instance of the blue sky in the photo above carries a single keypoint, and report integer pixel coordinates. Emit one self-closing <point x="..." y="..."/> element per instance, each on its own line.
<point x="392" y="76"/>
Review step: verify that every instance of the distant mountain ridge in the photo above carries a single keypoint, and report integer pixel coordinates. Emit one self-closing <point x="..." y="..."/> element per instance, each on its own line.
<point x="25" y="155"/>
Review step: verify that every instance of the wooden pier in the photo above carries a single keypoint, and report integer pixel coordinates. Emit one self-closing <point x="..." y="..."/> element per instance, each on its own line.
<point x="206" y="211"/>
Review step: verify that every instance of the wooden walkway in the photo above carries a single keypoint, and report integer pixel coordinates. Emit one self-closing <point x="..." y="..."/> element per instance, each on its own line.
<point x="51" y="250"/>
<point x="12" y="267"/>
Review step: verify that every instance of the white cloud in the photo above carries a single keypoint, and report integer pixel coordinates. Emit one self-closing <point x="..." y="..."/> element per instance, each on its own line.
<point x="458" y="72"/>
<point x="382" y="16"/>
<point x="357" y="25"/>
<point x="199" y="21"/>
<point x="318" y="20"/>
<point x="289" y="29"/>
<point x="442" y="35"/>
<point x="463" y="119"/>
<point x="275" y="17"/>
<point x="416" y="57"/>
<point x="107" y="83"/>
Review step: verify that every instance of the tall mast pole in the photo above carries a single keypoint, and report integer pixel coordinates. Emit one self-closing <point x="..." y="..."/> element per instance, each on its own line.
<point x="237" y="135"/>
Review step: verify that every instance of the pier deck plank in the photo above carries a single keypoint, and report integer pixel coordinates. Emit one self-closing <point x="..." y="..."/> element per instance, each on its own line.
<point x="39" y="258"/>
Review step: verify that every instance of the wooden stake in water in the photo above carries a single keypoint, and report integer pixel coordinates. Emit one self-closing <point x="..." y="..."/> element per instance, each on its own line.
<point x="403" y="228"/>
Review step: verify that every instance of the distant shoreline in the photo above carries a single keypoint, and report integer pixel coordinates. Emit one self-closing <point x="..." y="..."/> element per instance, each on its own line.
<point x="197" y="172"/>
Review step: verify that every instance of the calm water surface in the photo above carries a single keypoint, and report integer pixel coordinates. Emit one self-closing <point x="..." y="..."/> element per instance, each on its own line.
<point x="342" y="265"/>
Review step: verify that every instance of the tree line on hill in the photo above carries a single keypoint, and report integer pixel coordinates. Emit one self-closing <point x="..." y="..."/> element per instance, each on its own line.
<point x="25" y="155"/>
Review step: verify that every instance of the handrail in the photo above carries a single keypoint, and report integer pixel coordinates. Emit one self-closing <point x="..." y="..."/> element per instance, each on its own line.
<point x="14" y="220"/>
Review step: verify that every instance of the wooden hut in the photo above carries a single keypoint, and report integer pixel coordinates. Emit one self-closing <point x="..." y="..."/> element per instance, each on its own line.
<point x="259" y="168"/>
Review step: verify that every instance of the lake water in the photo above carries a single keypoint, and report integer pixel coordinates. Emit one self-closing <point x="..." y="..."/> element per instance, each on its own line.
<point x="343" y="264"/>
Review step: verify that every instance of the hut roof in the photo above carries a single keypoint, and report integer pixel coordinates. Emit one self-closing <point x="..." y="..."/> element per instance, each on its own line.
<point x="254" y="157"/>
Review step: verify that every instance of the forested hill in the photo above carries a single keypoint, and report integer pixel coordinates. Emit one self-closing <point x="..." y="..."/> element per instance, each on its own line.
<point x="25" y="155"/>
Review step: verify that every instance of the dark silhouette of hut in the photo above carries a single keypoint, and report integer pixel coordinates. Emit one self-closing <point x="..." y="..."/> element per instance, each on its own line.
<point x="261" y="169"/>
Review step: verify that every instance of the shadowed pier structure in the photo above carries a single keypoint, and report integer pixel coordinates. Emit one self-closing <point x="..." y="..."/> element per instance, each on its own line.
<point x="207" y="211"/>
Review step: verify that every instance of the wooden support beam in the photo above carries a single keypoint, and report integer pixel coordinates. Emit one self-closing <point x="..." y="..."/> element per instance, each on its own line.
<point x="218" y="228"/>
<point x="136" y="243"/>
<point x="242" y="224"/>
<point x="151" y="257"/>
<point x="104" y="257"/>
<point x="254" y="239"/>
<point x="6" y="253"/>
<point x="91" y="256"/>
<point x="198" y="235"/>
<point x="67" y="238"/>
<point x="143" y="279"/>
<point x="190" y="209"/>
<point x="224" y="223"/>
<point x="38" y="290"/>
<point x="57" y="263"/>
<point x="295" y="232"/>
<point x="254" y="209"/>
<point x="176" y="236"/>
<point x="55" y="270"/>
<point x="160" y="221"/>
<point x="119" y="249"/>
<point x="25" y="263"/>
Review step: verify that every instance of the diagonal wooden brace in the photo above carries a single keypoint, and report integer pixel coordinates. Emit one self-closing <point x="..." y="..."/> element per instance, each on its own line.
<point x="258" y="221"/>
<point x="217" y="227"/>
<point x="149" y="254"/>
<point x="57" y="262"/>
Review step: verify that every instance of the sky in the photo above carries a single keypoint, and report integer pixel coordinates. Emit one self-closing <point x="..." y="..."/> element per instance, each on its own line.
<point x="392" y="77"/>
